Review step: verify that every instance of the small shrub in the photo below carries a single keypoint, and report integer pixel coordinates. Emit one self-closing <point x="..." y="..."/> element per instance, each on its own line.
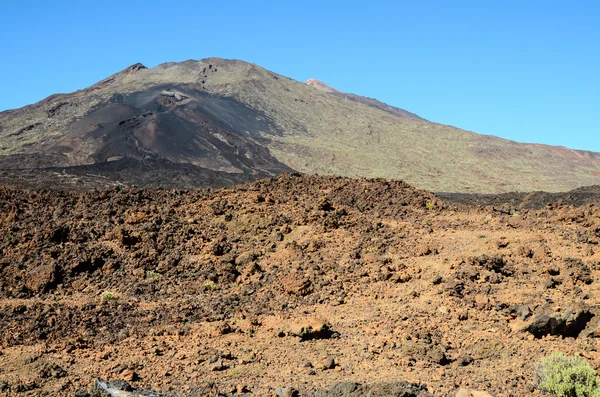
<point x="429" y="204"/>
<point x="567" y="376"/>
<point x="152" y="275"/>
<point x="209" y="285"/>
<point x="108" y="296"/>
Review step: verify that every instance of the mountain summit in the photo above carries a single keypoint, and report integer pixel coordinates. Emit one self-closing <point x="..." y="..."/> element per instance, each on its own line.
<point x="223" y="121"/>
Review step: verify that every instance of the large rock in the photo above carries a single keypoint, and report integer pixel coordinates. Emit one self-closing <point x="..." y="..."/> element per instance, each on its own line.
<point x="428" y="352"/>
<point x="42" y="278"/>
<point x="308" y="329"/>
<point x="297" y="284"/>
<point x="567" y="323"/>
<point x="245" y="258"/>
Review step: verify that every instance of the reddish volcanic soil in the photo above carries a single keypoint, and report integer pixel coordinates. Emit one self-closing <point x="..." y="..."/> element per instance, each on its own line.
<point x="297" y="282"/>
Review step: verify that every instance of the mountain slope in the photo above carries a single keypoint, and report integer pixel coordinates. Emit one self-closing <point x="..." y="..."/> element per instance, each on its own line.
<point x="232" y="116"/>
<point x="361" y="99"/>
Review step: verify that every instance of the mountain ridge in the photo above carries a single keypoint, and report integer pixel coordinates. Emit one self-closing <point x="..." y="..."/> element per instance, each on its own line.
<point x="319" y="85"/>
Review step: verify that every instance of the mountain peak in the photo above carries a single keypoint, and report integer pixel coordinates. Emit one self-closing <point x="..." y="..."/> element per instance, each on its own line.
<point x="319" y="85"/>
<point x="136" y="67"/>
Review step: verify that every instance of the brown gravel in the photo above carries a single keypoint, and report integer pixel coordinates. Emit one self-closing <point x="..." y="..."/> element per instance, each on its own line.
<point x="238" y="290"/>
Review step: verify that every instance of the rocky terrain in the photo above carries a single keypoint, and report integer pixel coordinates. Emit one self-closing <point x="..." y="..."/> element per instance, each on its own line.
<point x="297" y="285"/>
<point x="223" y="121"/>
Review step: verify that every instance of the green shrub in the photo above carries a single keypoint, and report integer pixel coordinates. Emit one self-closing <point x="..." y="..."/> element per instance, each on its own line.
<point x="567" y="376"/>
<point x="209" y="285"/>
<point x="108" y="296"/>
<point x="152" y="275"/>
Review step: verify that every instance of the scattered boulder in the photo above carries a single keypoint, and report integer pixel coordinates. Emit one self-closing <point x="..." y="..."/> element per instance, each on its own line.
<point x="567" y="323"/>
<point x="245" y="258"/>
<point x="425" y="352"/>
<point x="129" y="375"/>
<point x="305" y="364"/>
<point x="454" y="288"/>
<point x="309" y="329"/>
<point x="52" y="370"/>
<point x="483" y="267"/>
<point x="221" y="329"/>
<point x="297" y="284"/>
<point x="592" y="330"/>
<point x="325" y="205"/>
<point x="286" y="392"/>
<point x="521" y="311"/>
<point x="329" y="363"/>
<point x="464" y="360"/>
<point x="578" y="271"/>
<point x="42" y="278"/>
<point x="218" y="365"/>
<point x="339" y="390"/>
<point x="423" y="249"/>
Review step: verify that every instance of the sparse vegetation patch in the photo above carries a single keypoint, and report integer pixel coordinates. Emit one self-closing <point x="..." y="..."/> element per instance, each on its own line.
<point x="567" y="376"/>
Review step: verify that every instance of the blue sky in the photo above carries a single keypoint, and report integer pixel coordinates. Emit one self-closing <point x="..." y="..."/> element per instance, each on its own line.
<point x="525" y="70"/>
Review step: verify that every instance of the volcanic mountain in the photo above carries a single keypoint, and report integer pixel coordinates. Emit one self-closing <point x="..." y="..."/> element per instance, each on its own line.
<point x="218" y="122"/>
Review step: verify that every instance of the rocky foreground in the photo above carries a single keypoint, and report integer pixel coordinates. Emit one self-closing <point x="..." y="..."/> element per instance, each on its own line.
<point x="309" y="286"/>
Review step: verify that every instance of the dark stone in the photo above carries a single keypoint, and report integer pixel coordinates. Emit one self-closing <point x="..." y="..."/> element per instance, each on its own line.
<point x="463" y="361"/>
<point x="218" y="366"/>
<point x="286" y="392"/>
<point x="329" y="363"/>
<point x="42" y="278"/>
<point x="60" y="235"/>
<point x="454" y="288"/>
<point x="568" y="323"/>
<point x="522" y="311"/>
<point x="245" y="258"/>
<point x="426" y="352"/>
<point x="52" y="370"/>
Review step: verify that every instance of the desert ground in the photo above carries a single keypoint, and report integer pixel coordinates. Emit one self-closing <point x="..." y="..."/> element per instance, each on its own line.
<point x="297" y="285"/>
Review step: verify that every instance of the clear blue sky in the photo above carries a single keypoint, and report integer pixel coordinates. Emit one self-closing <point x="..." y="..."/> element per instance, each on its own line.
<point x="527" y="70"/>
